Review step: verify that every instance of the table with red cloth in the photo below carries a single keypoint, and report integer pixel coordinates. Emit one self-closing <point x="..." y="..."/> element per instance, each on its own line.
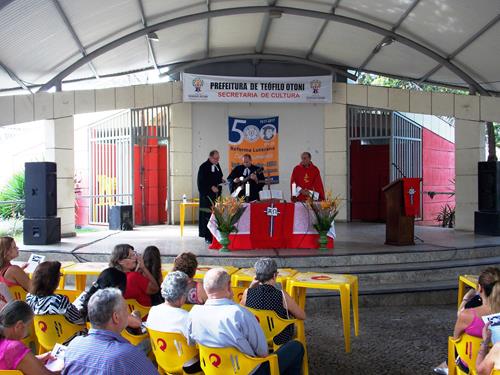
<point x="293" y="228"/>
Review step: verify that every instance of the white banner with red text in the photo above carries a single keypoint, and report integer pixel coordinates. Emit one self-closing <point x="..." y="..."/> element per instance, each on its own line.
<point x="205" y="88"/>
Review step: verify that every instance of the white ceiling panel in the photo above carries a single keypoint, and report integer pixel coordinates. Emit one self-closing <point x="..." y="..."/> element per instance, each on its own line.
<point x="316" y="5"/>
<point x="97" y="22"/>
<point x="380" y="12"/>
<point x="181" y="43"/>
<point x="161" y="10"/>
<point x="5" y="80"/>
<point x="398" y="59"/>
<point x="481" y="57"/>
<point x="292" y="34"/>
<point x="446" y="76"/>
<point x="446" y="24"/>
<point x="129" y="56"/>
<point x="243" y="28"/>
<point x="344" y="44"/>
<point x="82" y="72"/>
<point x="29" y="44"/>
<point x="224" y="4"/>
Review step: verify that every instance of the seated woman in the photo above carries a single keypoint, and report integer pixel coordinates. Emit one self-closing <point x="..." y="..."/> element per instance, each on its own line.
<point x="42" y="298"/>
<point x="140" y="283"/>
<point x="469" y="319"/>
<point x="15" y="319"/>
<point x="187" y="263"/>
<point x="262" y="294"/>
<point x="10" y="274"/>
<point x="170" y="316"/>
<point x="108" y="278"/>
<point x="489" y="359"/>
<point x="152" y="261"/>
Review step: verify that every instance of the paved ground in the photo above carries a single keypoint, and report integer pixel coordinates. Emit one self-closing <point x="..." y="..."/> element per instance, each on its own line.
<point x="393" y="340"/>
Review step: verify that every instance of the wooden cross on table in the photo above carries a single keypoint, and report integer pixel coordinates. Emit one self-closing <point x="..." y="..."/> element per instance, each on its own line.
<point x="272" y="212"/>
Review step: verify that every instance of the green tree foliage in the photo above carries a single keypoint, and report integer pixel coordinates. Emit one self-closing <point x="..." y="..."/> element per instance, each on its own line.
<point x="13" y="191"/>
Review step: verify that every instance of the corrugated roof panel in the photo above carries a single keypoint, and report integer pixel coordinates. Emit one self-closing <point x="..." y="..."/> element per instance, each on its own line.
<point x="34" y="39"/>
<point x="129" y="56"/>
<point x="447" y="24"/>
<point x="292" y="34"/>
<point x="224" y="4"/>
<point x="345" y="44"/>
<point x="486" y="68"/>
<point x="243" y="28"/>
<point x="381" y="13"/>
<point x="398" y="59"/>
<point x="181" y="43"/>
<point x="97" y="22"/>
<point x="160" y="10"/>
<point x="317" y="5"/>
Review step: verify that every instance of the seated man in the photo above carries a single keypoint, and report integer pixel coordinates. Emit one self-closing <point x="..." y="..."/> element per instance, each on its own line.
<point x="104" y="350"/>
<point x="221" y="323"/>
<point x="170" y="316"/>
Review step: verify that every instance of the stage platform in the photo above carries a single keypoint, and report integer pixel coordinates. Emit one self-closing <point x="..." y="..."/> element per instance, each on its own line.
<point x="433" y="264"/>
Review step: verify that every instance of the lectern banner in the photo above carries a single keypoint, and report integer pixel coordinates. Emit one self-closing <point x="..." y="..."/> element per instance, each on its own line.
<point x="411" y="192"/>
<point x="206" y="88"/>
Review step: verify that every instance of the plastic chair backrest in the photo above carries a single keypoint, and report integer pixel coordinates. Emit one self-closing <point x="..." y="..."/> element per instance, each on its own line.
<point x="71" y="294"/>
<point x="238" y="293"/>
<point x="134" y="339"/>
<point x="53" y="329"/>
<point x="18" y="293"/>
<point x="132" y="305"/>
<point x="216" y="361"/>
<point x="10" y="372"/>
<point x="466" y="347"/>
<point x="271" y="323"/>
<point x="495" y="372"/>
<point x="187" y="306"/>
<point x="171" y="351"/>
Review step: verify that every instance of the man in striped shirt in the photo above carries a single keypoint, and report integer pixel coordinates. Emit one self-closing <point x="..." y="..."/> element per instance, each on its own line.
<point x="104" y="351"/>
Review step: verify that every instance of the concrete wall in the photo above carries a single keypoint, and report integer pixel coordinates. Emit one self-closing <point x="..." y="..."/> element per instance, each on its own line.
<point x="300" y="129"/>
<point x="470" y="112"/>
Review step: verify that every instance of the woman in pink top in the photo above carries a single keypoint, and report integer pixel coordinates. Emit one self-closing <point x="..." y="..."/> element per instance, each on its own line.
<point x="10" y="274"/>
<point x="187" y="263"/>
<point x="469" y="319"/>
<point x="15" y="319"/>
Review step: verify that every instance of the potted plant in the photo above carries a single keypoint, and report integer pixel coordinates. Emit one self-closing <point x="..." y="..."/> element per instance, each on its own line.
<point x="227" y="211"/>
<point x="324" y="213"/>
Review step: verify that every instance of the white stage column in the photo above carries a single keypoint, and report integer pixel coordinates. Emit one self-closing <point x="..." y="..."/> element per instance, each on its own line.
<point x="59" y="144"/>
<point x="335" y="173"/>
<point x="469" y="150"/>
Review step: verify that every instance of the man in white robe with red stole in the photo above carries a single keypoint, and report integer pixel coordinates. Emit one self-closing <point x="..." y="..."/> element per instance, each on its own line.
<point x="307" y="178"/>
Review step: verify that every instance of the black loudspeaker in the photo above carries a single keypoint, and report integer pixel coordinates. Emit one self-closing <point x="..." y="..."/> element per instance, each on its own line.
<point x="489" y="186"/>
<point x="40" y="189"/>
<point x="42" y="231"/>
<point x="487" y="223"/>
<point x="120" y="218"/>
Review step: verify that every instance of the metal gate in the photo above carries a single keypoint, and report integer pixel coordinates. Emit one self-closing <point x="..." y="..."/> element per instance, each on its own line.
<point x="118" y="149"/>
<point x="110" y="166"/>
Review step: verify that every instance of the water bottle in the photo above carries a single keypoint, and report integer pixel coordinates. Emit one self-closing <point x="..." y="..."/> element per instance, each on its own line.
<point x="184" y="198"/>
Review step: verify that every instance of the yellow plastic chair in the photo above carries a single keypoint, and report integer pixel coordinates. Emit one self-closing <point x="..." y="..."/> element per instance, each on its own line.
<point x="495" y="372"/>
<point x="18" y="293"/>
<point x="187" y="306"/>
<point x="238" y="293"/>
<point x="466" y="347"/>
<point x="216" y="361"/>
<point x="171" y="351"/>
<point x="132" y="305"/>
<point x="53" y="329"/>
<point x="31" y="341"/>
<point x="271" y="324"/>
<point x="71" y="294"/>
<point x="134" y="339"/>
<point x="11" y="372"/>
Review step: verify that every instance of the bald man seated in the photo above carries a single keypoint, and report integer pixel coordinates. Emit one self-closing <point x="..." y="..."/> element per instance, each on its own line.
<point x="222" y="323"/>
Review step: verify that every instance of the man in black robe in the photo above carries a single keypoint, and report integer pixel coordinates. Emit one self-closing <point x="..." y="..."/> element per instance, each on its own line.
<point x="209" y="178"/>
<point x="247" y="172"/>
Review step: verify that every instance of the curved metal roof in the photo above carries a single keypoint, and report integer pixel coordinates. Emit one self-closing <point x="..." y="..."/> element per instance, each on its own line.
<point x="453" y="42"/>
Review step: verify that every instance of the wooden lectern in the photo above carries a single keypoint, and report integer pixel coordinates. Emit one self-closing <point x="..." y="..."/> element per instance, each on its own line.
<point x="399" y="228"/>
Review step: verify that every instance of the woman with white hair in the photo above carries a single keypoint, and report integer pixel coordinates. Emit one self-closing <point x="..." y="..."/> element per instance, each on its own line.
<point x="170" y="316"/>
<point x="262" y="294"/>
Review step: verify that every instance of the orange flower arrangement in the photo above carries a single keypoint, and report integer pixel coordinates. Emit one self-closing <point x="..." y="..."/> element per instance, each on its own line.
<point x="325" y="211"/>
<point x="227" y="211"/>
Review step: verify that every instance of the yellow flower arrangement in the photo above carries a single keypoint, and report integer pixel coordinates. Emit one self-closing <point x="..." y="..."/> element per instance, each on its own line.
<point x="325" y="211"/>
<point x="227" y="211"/>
